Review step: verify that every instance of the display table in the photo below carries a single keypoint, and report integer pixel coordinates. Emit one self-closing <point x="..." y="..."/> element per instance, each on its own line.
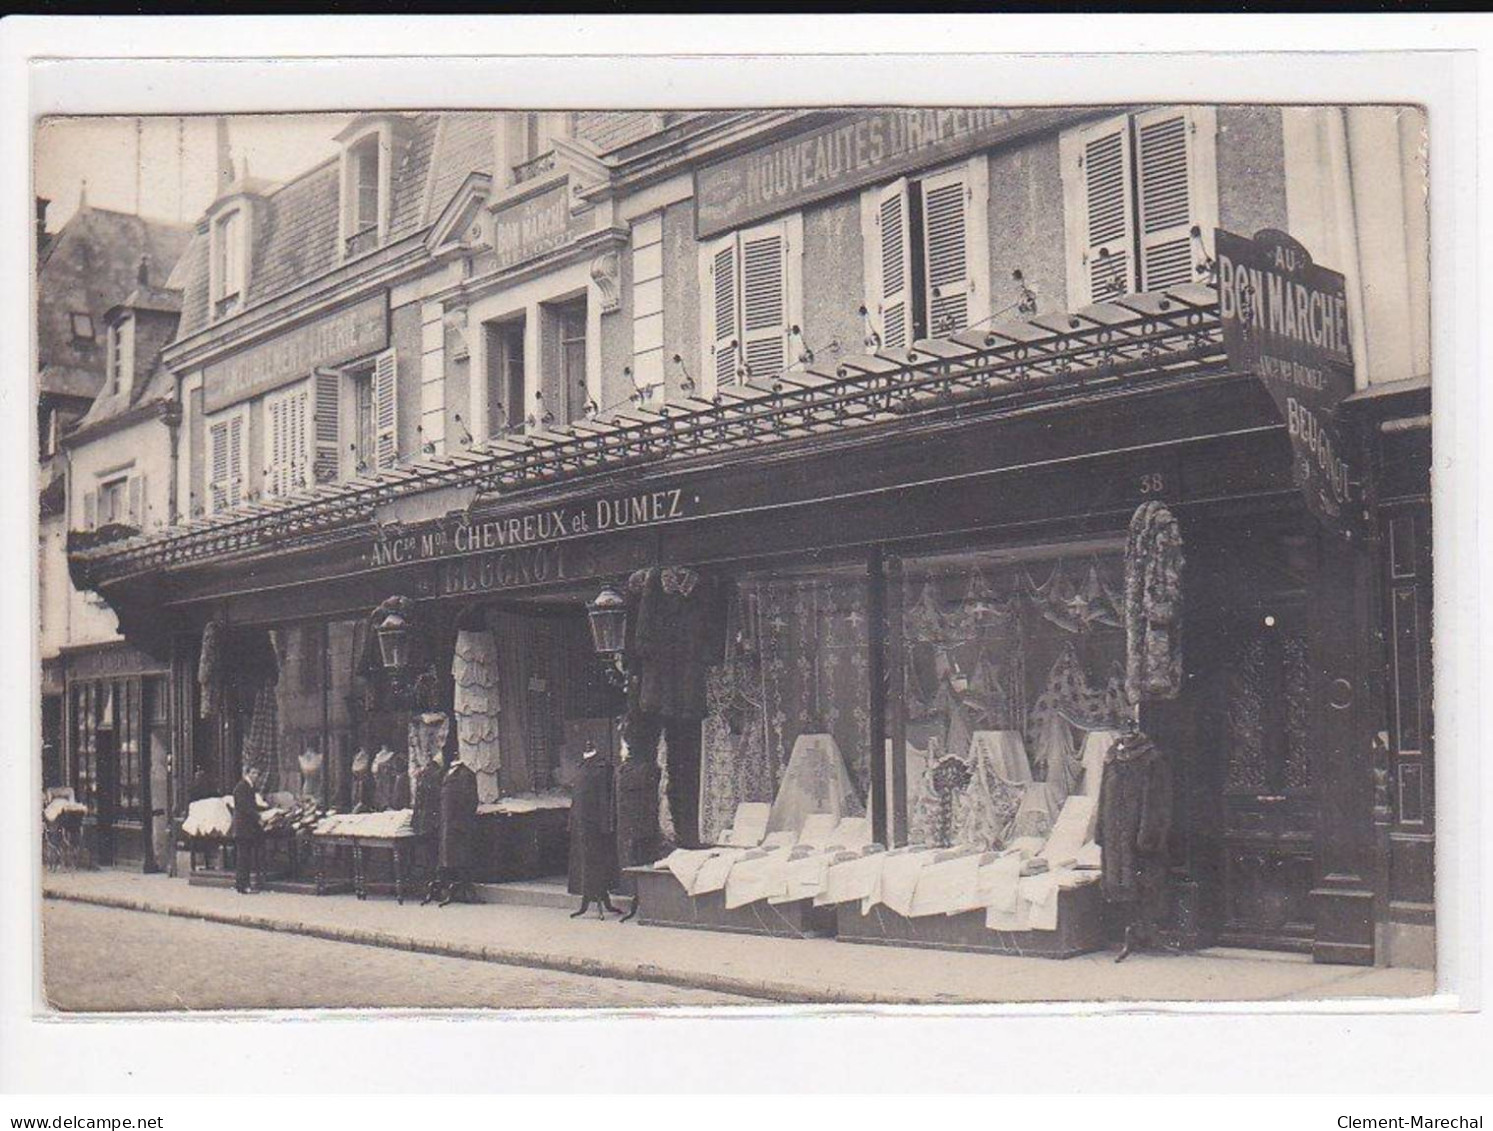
<point x="356" y="879"/>
<point x="1080" y="928"/>
<point x="524" y="837"/>
<point x="279" y="858"/>
<point x="663" y="902"/>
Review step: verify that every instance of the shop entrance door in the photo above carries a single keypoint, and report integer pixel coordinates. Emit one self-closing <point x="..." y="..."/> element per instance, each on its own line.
<point x="1269" y="797"/>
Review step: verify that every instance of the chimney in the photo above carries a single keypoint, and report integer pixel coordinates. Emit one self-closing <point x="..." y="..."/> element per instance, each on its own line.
<point x="225" y="157"/>
<point x="142" y="273"/>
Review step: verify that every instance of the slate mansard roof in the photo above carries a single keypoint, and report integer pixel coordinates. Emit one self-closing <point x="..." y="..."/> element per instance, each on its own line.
<point x="92" y="265"/>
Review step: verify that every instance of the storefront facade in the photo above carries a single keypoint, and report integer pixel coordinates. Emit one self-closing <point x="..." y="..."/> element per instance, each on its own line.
<point x="825" y="362"/>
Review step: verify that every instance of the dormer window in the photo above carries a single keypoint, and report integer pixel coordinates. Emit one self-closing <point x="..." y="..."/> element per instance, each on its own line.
<point x="364" y="176"/>
<point x="120" y="341"/>
<point x="370" y="147"/>
<point x="82" y="327"/>
<point x="229" y="260"/>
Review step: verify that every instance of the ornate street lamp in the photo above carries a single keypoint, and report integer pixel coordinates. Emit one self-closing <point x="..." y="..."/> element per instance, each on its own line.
<point x="608" y="617"/>
<point x="394" y="642"/>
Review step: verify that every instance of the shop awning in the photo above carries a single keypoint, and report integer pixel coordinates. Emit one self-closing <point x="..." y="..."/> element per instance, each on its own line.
<point x="1134" y="340"/>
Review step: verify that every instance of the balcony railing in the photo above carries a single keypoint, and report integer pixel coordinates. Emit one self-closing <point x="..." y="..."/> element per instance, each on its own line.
<point x="1101" y="349"/>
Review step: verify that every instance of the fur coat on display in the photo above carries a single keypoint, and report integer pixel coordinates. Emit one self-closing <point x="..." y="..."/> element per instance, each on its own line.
<point x="1153" y="604"/>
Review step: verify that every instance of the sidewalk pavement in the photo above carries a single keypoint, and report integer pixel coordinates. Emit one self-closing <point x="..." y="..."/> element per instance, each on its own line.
<point x="776" y="970"/>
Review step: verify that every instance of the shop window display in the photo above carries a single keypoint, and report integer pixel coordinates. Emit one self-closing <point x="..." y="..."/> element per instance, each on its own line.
<point x="1013" y="683"/>
<point x="797" y="665"/>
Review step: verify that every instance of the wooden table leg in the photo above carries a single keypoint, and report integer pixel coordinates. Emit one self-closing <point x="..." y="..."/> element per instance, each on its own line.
<point x="398" y="875"/>
<point x="358" y="887"/>
<point x="319" y="851"/>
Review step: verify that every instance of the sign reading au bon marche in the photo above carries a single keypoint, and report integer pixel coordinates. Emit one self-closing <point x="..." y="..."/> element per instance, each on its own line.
<point x="1285" y="319"/>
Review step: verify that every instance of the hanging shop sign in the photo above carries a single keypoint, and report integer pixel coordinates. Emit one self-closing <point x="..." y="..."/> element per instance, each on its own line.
<point x="352" y="332"/>
<point x="535" y="226"/>
<point x="1285" y="319"/>
<point x="861" y="150"/>
<point x="459" y="535"/>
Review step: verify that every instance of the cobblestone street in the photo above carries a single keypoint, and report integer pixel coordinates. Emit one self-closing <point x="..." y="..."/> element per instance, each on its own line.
<point x="99" y="958"/>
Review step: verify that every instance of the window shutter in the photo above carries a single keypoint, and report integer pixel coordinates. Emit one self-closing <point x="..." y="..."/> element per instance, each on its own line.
<point x="90" y="510"/>
<point x="136" y="503"/>
<point x="235" y="447"/>
<point x="1165" y="207"/>
<point x="1099" y="211"/>
<point x="217" y="466"/>
<point x="326" y="430"/>
<point x="946" y="252"/>
<point x="274" y="411"/>
<point x="385" y="410"/>
<point x="721" y="311"/>
<point x="893" y="311"/>
<point x="764" y="301"/>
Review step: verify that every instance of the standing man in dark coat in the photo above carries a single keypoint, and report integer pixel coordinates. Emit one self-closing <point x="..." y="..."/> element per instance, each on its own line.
<point x="247" y="833"/>
<point x="593" y="833"/>
<point x="458" y="847"/>
<point x="425" y="819"/>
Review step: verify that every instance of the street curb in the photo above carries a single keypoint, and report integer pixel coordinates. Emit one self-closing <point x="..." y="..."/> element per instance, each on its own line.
<point x="776" y="992"/>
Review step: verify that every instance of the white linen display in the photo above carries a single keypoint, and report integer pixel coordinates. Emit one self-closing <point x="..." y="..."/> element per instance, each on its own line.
<point x="474" y="671"/>
<point x="949" y="884"/>
<point x="748" y="824"/>
<point x="851" y="879"/>
<point x="713" y="874"/>
<point x="816" y="781"/>
<point x="211" y="816"/>
<point x="1005" y="750"/>
<point x="818" y="830"/>
<point x="758" y="874"/>
<point x="1073" y="829"/>
<point x="899" y="879"/>
<point x="1095" y="746"/>
<point x="686" y="863"/>
<point x="387" y="823"/>
<point x="852" y="832"/>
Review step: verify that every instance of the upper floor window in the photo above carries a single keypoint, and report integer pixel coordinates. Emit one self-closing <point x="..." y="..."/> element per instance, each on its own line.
<point x="533" y="151"/>
<point x="363" y="196"/>
<point x="227" y="444"/>
<point x="751" y="302"/>
<point x="230" y="261"/>
<point x="1134" y="188"/>
<point x="506" y="409"/>
<point x="563" y="373"/>
<point x="928" y="254"/>
<point x="81" y="324"/>
<point x="371" y="148"/>
<point x="120" y="355"/>
<point x="118" y="498"/>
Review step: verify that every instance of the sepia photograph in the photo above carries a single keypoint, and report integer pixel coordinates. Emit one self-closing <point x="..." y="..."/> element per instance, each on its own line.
<point x="828" y="554"/>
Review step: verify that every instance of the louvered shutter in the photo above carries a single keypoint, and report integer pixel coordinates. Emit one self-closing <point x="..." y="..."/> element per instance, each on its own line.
<point x="385" y="410"/>
<point x="90" y="510"/>
<point x="1176" y="177"/>
<point x="236" y="454"/>
<point x="274" y="450"/>
<point x="327" y="429"/>
<point x="218" y="466"/>
<point x="764" y="301"/>
<point x="946" y="252"/>
<point x="1099" y="211"/>
<point x="1165" y="207"/>
<point x="894" y="314"/>
<point x="721" y="313"/>
<point x="136" y="504"/>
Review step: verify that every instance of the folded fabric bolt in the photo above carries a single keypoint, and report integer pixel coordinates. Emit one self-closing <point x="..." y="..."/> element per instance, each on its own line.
<point x="997" y="881"/>
<point x="817" y="830"/>
<point x="1026" y="846"/>
<point x="947" y="887"/>
<point x="1073" y="829"/>
<point x="686" y="863"/>
<point x="899" y="879"/>
<point x="713" y="873"/>
<point x="1040" y="894"/>
<point x="748" y="825"/>
<point x="851" y="879"/>
<point x="757" y="875"/>
<point x="1090" y="856"/>
<point x="783" y="838"/>
<point x="1095" y="746"/>
<point x="806" y="873"/>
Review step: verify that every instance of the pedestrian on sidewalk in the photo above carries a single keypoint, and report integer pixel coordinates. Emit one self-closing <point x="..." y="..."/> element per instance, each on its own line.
<point x="247" y="833"/>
